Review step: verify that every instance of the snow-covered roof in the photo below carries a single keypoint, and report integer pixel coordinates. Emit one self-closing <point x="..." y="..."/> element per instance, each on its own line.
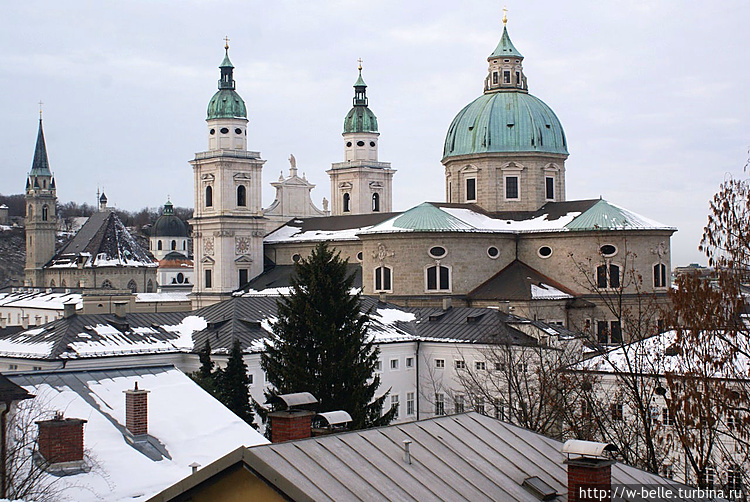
<point x="185" y="425"/>
<point x="39" y="299"/>
<point x="163" y="296"/>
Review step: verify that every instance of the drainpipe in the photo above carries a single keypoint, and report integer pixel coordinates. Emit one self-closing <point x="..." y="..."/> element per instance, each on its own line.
<point x="416" y="373"/>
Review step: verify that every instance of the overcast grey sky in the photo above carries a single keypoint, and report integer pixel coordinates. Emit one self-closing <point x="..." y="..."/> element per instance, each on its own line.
<point x="653" y="95"/>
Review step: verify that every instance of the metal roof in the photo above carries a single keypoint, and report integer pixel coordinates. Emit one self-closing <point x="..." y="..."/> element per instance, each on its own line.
<point x="520" y="282"/>
<point x="40" y="164"/>
<point x="505" y="47"/>
<point x="606" y="216"/>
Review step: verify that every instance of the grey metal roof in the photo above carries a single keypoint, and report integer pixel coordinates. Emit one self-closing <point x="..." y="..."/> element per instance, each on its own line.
<point x="515" y="282"/>
<point x="280" y="276"/>
<point x="460" y="457"/>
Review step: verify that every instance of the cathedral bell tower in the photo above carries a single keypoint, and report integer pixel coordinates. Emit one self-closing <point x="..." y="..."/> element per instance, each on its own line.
<point x="41" y="221"/>
<point x="361" y="184"/>
<point x="228" y="220"/>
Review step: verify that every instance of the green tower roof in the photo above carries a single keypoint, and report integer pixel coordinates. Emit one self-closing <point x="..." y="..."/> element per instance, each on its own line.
<point x="607" y="216"/>
<point x="505" y="47"/>
<point x="360" y="118"/>
<point x="226" y="103"/>
<point x="40" y="166"/>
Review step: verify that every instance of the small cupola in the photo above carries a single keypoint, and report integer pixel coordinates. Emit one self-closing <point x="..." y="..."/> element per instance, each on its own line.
<point x="505" y="65"/>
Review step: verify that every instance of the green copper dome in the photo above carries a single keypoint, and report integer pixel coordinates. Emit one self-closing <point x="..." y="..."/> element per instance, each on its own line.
<point x="360" y="118"/>
<point x="505" y="122"/>
<point x="226" y="103"/>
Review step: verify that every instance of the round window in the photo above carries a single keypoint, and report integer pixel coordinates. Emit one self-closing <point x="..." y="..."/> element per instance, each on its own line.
<point x="608" y="250"/>
<point x="348" y="143"/>
<point x="238" y="131"/>
<point x="180" y="278"/>
<point x="372" y="144"/>
<point x="493" y="252"/>
<point x="212" y="131"/>
<point x="224" y="130"/>
<point x="296" y="257"/>
<point x="545" y="251"/>
<point x="437" y="251"/>
<point x="360" y="143"/>
<point x="359" y="256"/>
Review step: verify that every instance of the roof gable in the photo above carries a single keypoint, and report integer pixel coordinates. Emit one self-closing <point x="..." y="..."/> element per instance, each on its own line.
<point x="520" y="282"/>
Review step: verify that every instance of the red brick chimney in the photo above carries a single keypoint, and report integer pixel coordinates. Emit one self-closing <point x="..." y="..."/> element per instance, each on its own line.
<point x="589" y="474"/>
<point x="136" y="411"/>
<point x="289" y="425"/>
<point x="61" y="439"/>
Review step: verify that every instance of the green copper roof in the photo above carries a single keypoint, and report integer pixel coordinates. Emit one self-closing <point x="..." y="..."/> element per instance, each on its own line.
<point x="606" y="216"/>
<point x="360" y="81"/>
<point x="40" y="165"/>
<point x="423" y="218"/>
<point x="505" y="47"/>
<point x="360" y="118"/>
<point x="507" y="121"/>
<point x="226" y="103"/>
<point x="226" y="63"/>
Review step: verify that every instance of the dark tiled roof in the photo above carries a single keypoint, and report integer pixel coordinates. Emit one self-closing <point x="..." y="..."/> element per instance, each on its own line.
<point x="514" y="282"/>
<point x="280" y="276"/>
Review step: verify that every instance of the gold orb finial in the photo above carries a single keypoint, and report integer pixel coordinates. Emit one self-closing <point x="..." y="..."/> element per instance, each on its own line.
<point x="226" y="43"/>
<point x="360" y="64"/>
<point x="505" y="16"/>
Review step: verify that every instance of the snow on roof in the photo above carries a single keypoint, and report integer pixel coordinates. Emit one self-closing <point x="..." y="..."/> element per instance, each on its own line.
<point x="289" y="233"/>
<point x="163" y="296"/>
<point x="484" y="222"/>
<point x="189" y="424"/>
<point x="40" y="299"/>
<point x="546" y="292"/>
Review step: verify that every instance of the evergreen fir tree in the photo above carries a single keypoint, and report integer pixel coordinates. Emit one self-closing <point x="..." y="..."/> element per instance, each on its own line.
<point x="206" y="375"/>
<point x="234" y="385"/>
<point x="320" y="342"/>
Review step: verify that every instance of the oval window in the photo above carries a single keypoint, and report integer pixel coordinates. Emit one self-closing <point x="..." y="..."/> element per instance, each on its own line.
<point x="359" y="256"/>
<point x="224" y="130"/>
<point x="212" y="131"/>
<point x="238" y="131"/>
<point x="545" y="251"/>
<point x="372" y="144"/>
<point x="608" y="250"/>
<point x="437" y="251"/>
<point x="296" y="257"/>
<point x="360" y="143"/>
<point x="348" y="143"/>
<point x="493" y="252"/>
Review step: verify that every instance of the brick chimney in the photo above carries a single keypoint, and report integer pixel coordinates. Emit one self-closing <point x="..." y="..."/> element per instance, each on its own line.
<point x="69" y="309"/>
<point x="61" y="439"/>
<point x="136" y="411"/>
<point x="589" y="470"/>
<point x="289" y="425"/>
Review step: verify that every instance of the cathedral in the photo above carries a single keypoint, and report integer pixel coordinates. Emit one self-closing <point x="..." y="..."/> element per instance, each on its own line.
<point x="505" y="236"/>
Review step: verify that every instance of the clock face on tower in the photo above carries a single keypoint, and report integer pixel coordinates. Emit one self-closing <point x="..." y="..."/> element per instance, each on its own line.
<point x="241" y="245"/>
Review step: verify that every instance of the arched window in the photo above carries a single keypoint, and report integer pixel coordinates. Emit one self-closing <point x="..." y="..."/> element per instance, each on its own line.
<point x="132" y="286"/>
<point x="52" y="283"/>
<point x="45" y="212"/>
<point x="660" y="275"/>
<point x="608" y="276"/>
<point x="241" y="196"/>
<point x="375" y="203"/>
<point x="438" y="278"/>
<point x="383" y="279"/>
<point x="184" y="245"/>
<point x="150" y="287"/>
<point x="107" y="284"/>
<point x="347" y="202"/>
<point x="209" y="196"/>
<point x="174" y="245"/>
<point x="63" y="284"/>
<point x="30" y="212"/>
<point x="158" y="245"/>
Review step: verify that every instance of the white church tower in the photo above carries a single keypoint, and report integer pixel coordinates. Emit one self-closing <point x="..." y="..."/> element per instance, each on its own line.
<point x="228" y="223"/>
<point x="361" y="184"/>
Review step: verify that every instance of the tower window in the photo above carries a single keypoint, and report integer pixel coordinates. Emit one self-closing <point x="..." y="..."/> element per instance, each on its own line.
<point x="30" y="212"/>
<point x="184" y="245"/>
<point x="372" y="144"/>
<point x="208" y="278"/>
<point x="348" y="143"/>
<point x="238" y="131"/>
<point x="511" y="187"/>
<point x="209" y="196"/>
<point x="347" y="203"/>
<point x="375" y="203"/>
<point x="549" y="188"/>
<point x="224" y="130"/>
<point x="212" y="131"/>
<point x="471" y="190"/>
<point x="180" y="277"/>
<point x="438" y="278"/>
<point x="360" y="143"/>
<point x="158" y="245"/>
<point x="383" y="279"/>
<point x="506" y="77"/>
<point x="495" y="77"/>
<point x="241" y="196"/>
<point x="660" y="275"/>
<point x="45" y="212"/>
<point x="173" y="247"/>
<point x="518" y="77"/>
<point x="243" y="276"/>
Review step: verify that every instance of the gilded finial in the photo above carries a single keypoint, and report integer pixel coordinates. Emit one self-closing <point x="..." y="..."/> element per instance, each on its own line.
<point x="226" y="43"/>
<point x="505" y="16"/>
<point x="40" y="110"/>
<point x="360" y="64"/>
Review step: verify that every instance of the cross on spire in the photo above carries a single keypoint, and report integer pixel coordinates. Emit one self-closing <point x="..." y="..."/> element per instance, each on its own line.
<point x="360" y="63"/>
<point x="505" y="16"/>
<point x="226" y="43"/>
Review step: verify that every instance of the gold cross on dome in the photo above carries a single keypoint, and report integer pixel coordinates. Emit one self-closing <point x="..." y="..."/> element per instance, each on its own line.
<point x="360" y="63"/>
<point x="226" y="43"/>
<point x="505" y="15"/>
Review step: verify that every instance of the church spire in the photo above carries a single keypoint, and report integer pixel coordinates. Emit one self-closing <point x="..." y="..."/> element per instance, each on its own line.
<point x="40" y="166"/>
<point x="506" y="65"/>
<point x="227" y="69"/>
<point x="360" y="89"/>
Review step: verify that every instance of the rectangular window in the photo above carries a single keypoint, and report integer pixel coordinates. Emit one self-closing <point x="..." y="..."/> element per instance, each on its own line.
<point x="410" y="403"/>
<point x="409" y="362"/>
<point x="460" y="364"/>
<point x="439" y="404"/>
<point x="499" y="366"/>
<point x="614" y="276"/>
<point x="394" y="364"/>
<point x="549" y="187"/>
<point x="660" y="275"/>
<point x="511" y="187"/>
<point x="432" y="278"/>
<point x="602" y="331"/>
<point x="243" y="276"/>
<point x="601" y="276"/>
<point x="440" y="363"/>
<point x="480" y="365"/>
<point x="459" y="404"/>
<point x="667" y="417"/>
<point x="471" y="190"/>
<point x="208" y="278"/>
<point x="499" y="409"/>
<point x="479" y="405"/>
<point x="13" y="366"/>
<point x="615" y="332"/>
<point x="250" y="378"/>
<point x="394" y="404"/>
<point x="445" y="279"/>
<point x="518" y="78"/>
<point x="615" y="411"/>
<point x="506" y="77"/>
<point x="495" y="78"/>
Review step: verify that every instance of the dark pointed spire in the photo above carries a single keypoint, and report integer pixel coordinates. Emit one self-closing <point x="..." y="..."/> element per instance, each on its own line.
<point x="40" y="167"/>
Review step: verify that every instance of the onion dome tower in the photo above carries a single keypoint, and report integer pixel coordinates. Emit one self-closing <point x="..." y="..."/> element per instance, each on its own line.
<point x="228" y="223"/>
<point x="41" y="221"/>
<point x="506" y="150"/>
<point x="361" y="184"/>
<point x="169" y="234"/>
